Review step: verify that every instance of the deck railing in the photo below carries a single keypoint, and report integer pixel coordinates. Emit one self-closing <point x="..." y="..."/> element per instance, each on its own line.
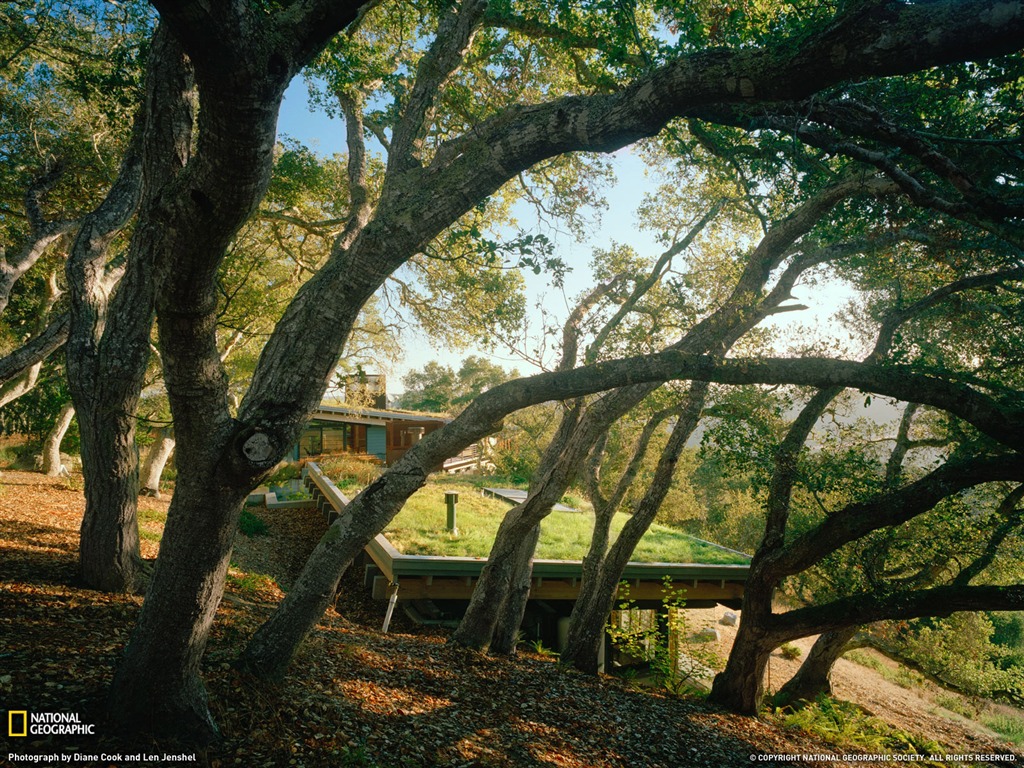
<point x="328" y="497"/>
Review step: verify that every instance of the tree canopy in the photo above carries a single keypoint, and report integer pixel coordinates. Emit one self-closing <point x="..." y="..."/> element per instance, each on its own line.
<point x="876" y="141"/>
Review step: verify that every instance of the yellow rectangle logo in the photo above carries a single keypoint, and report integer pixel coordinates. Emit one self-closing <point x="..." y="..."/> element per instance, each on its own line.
<point x="17" y="723"/>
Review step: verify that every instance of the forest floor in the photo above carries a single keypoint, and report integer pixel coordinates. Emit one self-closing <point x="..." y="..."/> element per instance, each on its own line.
<point x="356" y="697"/>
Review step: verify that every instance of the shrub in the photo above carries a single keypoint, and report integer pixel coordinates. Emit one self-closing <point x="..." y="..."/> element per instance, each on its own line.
<point x="349" y="471"/>
<point x="250" y="583"/>
<point x="283" y="472"/>
<point x="847" y="725"/>
<point x="1006" y="725"/>
<point x="790" y="652"/>
<point x="572" y="501"/>
<point x="251" y="525"/>
<point x="659" y="641"/>
<point x="959" y="651"/>
<point x="516" y="459"/>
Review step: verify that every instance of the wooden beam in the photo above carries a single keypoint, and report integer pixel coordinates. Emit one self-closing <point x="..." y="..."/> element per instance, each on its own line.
<point x="449" y="588"/>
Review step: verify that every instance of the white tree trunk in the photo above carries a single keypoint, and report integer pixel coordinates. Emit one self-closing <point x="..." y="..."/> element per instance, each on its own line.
<point x="156" y="460"/>
<point x="51" y="448"/>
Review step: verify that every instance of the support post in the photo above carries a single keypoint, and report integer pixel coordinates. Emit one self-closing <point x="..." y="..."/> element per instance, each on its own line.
<point x="392" y="601"/>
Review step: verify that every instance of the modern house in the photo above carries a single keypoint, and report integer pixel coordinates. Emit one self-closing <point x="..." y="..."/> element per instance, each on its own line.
<point x="378" y="432"/>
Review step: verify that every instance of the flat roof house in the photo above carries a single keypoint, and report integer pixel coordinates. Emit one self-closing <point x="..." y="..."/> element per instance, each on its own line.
<point x="382" y="433"/>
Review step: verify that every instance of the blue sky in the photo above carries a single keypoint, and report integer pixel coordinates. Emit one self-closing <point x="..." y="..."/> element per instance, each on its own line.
<point x="325" y="135"/>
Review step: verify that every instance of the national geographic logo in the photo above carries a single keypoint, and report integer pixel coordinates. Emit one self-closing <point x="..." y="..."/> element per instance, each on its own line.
<point x="17" y="723"/>
<point x="24" y="723"/>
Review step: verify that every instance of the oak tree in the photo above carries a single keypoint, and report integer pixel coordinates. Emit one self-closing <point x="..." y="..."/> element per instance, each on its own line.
<point x="206" y="171"/>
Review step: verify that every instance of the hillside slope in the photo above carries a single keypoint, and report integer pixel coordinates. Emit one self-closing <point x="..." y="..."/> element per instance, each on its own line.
<point x="355" y="697"/>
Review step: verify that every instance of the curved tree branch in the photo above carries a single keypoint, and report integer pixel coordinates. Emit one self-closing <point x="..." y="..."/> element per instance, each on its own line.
<point x="892" y="508"/>
<point x="868" y="608"/>
<point x="1012" y="518"/>
<point x="37" y="349"/>
<point x="43" y="234"/>
<point x="454" y="36"/>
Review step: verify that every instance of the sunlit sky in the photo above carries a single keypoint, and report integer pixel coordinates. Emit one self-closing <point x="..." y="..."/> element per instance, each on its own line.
<point x="325" y="135"/>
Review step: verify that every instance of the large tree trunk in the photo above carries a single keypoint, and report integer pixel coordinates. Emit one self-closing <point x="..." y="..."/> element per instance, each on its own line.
<point x="559" y="466"/>
<point x="51" y="446"/>
<point x="814" y="677"/>
<point x="510" y="561"/>
<point x="476" y="630"/>
<point x="109" y="557"/>
<point x="740" y="686"/>
<point x="587" y="625"/>
<point x="156" y="460"/>
<point x="605" y="566"/>
<point x="108" y="347"/>
<point x="157" y="688"/>
<point x="511" y="612"/>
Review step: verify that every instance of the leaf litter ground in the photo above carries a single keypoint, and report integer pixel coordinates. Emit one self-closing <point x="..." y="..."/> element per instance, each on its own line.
<point x="354" y="697"/>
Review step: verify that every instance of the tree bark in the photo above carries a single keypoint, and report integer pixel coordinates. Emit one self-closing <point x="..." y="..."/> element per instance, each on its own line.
<point x="243" y="60"/>
<point x="22" y="383"/>
<point x="499" y="628"/>
<point x="814" y="677"/>
<point x="559" y="465"/>
<point x="109" y="346"/>
<point x="157" y="688"/>
<point x="35" y="350"/>
<point x="513" y="608"/>
<point x="43" y="234"/>
<point x="51" y="446"/>
<point x="600" y="582"/>
<point x="587" y="628"/>
<point x="19" y="371"/>
<point x="740" y="687"/>
<point x="109" y="557"/>
<point x="156" y="460"/>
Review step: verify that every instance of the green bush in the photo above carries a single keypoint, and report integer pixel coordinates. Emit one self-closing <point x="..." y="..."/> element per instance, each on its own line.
<point x="1008" y="726"/>
<point x="19" y="456"/>
<point x="847" y="725"/>
<point x="251" y="525"/>
<point x="657" y="640"/>
<point x="790" y="652"/>
<point x="517" y="460"/>
<point x="250" y="583"/>
<point x="960" y="652"/>
<point x="572" y="501"/>
<point x="1008" y="629"/>
<point x="284" y="472"/>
